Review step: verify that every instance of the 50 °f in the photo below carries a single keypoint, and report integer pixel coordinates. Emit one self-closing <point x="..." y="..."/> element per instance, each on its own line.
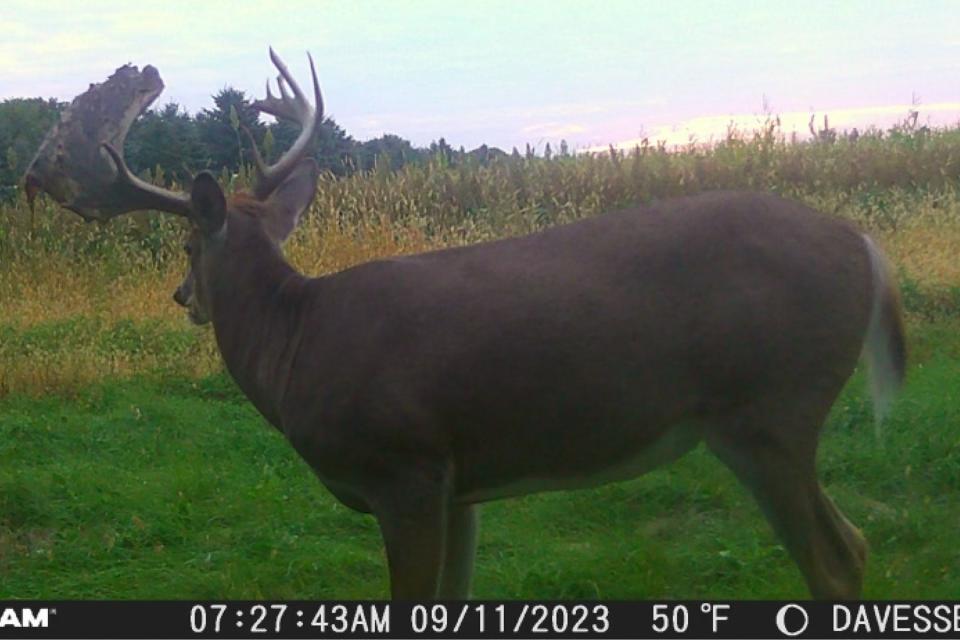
<point x="675" y="618"/>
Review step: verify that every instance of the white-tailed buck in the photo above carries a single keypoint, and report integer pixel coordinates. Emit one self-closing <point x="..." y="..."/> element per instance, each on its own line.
<point x="417" y="387"/>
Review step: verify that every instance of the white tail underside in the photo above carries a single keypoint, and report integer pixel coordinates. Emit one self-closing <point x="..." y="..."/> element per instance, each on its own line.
<point x="884" y="381"/>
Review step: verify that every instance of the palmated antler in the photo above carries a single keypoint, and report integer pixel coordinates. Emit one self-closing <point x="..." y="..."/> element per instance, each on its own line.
<point x="77" y="172"/>
<point x="295" y="108"/>
<point x="80" y="163"/>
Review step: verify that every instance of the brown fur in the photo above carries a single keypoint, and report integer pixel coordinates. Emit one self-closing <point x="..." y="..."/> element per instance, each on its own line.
<point x="416" y="386"/>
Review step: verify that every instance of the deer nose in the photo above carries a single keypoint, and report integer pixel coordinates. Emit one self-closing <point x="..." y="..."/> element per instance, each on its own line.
<point x="179" y="298"/>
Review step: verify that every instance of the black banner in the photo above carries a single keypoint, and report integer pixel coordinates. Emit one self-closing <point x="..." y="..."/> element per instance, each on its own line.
<point x="479" y="619"/>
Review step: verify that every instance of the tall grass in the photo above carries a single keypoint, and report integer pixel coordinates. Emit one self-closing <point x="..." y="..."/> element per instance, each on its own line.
<point x="58" y="274"/>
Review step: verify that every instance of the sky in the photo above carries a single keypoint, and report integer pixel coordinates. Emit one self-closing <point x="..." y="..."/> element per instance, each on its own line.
<point x="508" y="73"/>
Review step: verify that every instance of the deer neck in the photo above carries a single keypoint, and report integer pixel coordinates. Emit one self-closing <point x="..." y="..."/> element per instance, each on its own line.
<point x="256" y="303"/>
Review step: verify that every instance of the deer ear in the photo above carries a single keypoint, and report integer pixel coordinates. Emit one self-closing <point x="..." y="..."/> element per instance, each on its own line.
<point x="291" y="199"/>
<point x="208" y="207"/>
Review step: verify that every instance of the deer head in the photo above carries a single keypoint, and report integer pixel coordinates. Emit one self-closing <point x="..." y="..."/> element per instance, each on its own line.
<point x="81" y="166"/>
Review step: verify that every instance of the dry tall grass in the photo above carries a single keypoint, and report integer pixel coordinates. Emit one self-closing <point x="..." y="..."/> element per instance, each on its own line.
<point x="55" y="270"/>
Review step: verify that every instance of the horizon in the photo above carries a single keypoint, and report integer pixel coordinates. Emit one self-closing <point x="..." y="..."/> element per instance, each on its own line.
<point x="508" y="75"/>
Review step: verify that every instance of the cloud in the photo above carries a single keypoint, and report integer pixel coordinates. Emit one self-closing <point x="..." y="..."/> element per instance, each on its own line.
<point x="494" y="125"/>
<point x="554" y="129"/>
<point x="706" y="129"/>
<point x="13" y="30"/>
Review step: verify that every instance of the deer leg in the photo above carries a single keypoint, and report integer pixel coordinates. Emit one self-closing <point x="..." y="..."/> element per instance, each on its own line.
<point x="460" y="549"/>
<point x="830" y="552"/>
<point x="412" y="516"/>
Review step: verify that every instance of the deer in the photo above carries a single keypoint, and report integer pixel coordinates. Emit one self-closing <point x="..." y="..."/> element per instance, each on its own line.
<point x="421" y="386"/>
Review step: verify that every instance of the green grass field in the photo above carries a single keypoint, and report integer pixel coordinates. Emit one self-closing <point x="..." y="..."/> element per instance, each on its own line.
<point x="131" y="467"/>
<point x="165" y="486"/>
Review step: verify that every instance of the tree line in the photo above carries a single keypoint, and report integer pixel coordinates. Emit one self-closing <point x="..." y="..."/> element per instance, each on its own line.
<point x="173" y="145"/>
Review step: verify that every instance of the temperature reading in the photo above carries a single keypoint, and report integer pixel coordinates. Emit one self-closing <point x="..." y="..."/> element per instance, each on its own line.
<point x="716" y="612"/>
<point x="675" y="618"/>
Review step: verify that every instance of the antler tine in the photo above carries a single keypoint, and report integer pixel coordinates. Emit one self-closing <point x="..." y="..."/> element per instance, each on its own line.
<point x="287" y="107"/>
<point x="285" y="74"/>
<point x="293" y="107"/>
<point x="317" y="98"/>
<point x="283" y="88"/>
<point x="143" y="195"/>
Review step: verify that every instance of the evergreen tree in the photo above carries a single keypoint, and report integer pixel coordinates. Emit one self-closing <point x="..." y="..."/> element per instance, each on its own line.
<point x="335" y="150"/>
<point x="166" y="139"/>
<point x="23" y="124"/>
<point x="219" y="129"/>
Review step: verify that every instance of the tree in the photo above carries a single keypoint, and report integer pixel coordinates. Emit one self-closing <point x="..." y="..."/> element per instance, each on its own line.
<point x="388" y="147"/>
<point x="335" y="150"/>
<point x="442" y="149"/>
<point x="167" y="138"/>
<point x="484" y="154"/>
<point x="224" y="144"/>
<point x="23" y="124"/>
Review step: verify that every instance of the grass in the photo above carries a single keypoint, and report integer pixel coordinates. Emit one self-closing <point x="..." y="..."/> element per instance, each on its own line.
<point x="132" y="467"/>
<point x="174" y="488"/>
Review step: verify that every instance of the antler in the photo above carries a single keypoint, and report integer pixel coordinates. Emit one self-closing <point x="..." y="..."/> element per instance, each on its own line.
<point x="295" y="108"/>
<point x="78" y="163"/>
<point x="143" y="195"/>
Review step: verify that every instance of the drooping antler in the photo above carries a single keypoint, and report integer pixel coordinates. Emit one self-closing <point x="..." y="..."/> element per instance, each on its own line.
<point x="295" y="108"/>
<point x="72" y="166"/>
<point x="80" y="163"/>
